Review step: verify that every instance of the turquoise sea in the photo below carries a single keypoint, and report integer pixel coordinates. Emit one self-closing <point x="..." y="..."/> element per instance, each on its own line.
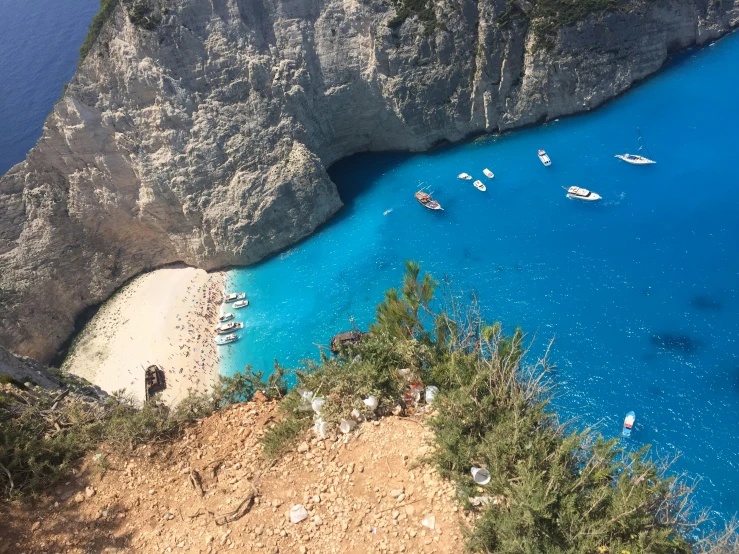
<point x="640" y="291"/>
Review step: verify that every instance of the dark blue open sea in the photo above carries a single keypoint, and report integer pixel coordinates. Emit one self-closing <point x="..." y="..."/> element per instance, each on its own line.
<point x="39" y="44"/>
<point x="639" y="290"/>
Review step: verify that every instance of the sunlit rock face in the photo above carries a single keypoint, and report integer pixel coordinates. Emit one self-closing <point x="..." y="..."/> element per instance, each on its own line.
<point x="206" y="140"/>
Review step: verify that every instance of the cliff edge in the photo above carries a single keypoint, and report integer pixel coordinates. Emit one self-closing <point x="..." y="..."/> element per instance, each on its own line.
<point x="200" y="130"/>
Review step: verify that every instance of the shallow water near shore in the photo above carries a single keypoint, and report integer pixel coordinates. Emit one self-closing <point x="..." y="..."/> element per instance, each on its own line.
<point x="639" y="290"/>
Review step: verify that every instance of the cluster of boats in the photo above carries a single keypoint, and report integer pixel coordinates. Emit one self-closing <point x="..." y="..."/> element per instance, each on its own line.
<point x="575" y="193"/>
<point x="226" y="327"/>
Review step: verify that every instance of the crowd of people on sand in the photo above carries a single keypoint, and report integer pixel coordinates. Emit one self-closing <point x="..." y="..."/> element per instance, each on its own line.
<point x="193" y="339"/>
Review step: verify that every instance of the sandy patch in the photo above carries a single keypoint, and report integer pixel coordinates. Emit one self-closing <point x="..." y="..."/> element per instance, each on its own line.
<point x="165" y="317"/>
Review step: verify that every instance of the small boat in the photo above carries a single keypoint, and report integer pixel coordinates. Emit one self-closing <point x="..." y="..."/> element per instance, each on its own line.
<point x="464" y="176"/>
<point x="231" y="326"/>
<point x="479" y="186"/>
<point x="544" y="158"/>
<point x="226" y="317"/>
<point x="582" y="194"/>
<point x="234" y="296"/>
<point x="220" y="341"/>
<point x="426" y="201"/>
<point x="637" y="159"/>
<point x="628" y="424"/>
<point x="241" y="304"/>
<point x="489" y="174"/>
<point x="345" y="339"/>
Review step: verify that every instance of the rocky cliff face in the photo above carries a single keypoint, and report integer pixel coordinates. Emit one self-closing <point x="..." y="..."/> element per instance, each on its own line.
<point x="206" y="140"/>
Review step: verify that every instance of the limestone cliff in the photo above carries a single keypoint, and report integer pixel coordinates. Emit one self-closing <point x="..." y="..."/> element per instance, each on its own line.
<point x="205" y="138"/>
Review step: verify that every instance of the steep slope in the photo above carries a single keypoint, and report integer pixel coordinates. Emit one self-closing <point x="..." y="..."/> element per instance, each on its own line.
<point x="212" y="492"/>
<point x="203" y="134"/>
<point x="25" y="369"/>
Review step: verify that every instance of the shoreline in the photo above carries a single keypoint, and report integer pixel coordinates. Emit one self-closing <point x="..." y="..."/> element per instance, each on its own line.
<point x="165" y="317"/>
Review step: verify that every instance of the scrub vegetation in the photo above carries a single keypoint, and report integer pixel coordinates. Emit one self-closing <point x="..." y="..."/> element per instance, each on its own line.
<point x="140" y="12"/>
<point x="423" y="9"/>
<point x="44" y="433"/>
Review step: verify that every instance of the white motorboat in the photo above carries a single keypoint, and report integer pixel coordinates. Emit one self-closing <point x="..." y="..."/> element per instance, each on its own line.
<point x="464" y="176"/>
<point x="225" y="317"/>
<point x="480" y="186"/>
<point x="544" y="158"/>
<point x="231" y="297"/>
<point x="220" y="341"/>
<point x="241" y="304"/>
<point x="579" y="193"/>
<point x="637" y="159"/>
<point x="489" y="174"/>
<point x="628" y="424"/>
<point x="227" y="327"/>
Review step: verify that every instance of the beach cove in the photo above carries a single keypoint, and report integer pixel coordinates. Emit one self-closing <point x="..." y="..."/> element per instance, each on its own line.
<point x="165" y="318"/>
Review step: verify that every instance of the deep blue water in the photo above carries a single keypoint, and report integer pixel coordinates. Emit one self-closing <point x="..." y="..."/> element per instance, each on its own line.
<point x="639" y="290"/>
<point x="39" y="45"/>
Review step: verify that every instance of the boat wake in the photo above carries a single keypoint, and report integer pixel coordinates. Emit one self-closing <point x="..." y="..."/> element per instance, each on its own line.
<point x="616" y="202"/>
<point x="387" y="211"/>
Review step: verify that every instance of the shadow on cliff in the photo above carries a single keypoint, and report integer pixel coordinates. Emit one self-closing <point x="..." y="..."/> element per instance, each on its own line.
<point x="355" y="175"/>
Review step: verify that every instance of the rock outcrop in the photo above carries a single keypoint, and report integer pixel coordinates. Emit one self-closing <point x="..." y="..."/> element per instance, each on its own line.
<point x="206" y="140"/>
<point x="26" y="370"/>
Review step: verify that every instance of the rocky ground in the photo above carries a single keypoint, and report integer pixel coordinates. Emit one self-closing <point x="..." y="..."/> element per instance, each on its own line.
<point x="212" y="491"/>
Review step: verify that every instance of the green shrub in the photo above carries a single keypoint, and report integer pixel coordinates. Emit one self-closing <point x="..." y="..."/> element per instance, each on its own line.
<point x="8" y="380"/>
<point x="421" y="8"/>
<point x="282" y="437"/>
<point x="38" y="446"/>
<point x="96" y="26"/>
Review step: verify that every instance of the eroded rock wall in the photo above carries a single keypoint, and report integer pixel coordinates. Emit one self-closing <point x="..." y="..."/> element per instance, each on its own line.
<point x="207" y="140"/>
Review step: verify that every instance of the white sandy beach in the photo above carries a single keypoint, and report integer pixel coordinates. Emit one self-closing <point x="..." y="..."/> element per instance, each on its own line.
<point x="166" y="317"/>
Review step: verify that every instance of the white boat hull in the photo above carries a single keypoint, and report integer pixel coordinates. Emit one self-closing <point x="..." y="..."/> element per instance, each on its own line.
<point x="593" y="197"/>
<point x="464" y="177"/>
<point x="479" y="186"/>
<point x="544" y="158"/>
<point x="635" y="160"/>
<point x="489" y="174"/>
<point x="579" y="193"/>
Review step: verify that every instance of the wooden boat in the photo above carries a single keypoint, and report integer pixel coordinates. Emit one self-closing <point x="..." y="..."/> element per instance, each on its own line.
<point x="480" y="186"/>
<point x="234" y="296"/>
<point x="220" y="341"/>
<point x="227" y="327"/>
<point x="544" y="158"/>
<point x="579" y="193"/>
<point x="241" y="304"/>
<point x="464" y="176"/>
<point x="628" y="424"/>
<point x="636" y="159"/>
<point x="154" y="380"/>
<point x="344" y="339"/>
<point x="489" y="174"/>
<point x="426" y="201"/>
<point x="226" y="317"/>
